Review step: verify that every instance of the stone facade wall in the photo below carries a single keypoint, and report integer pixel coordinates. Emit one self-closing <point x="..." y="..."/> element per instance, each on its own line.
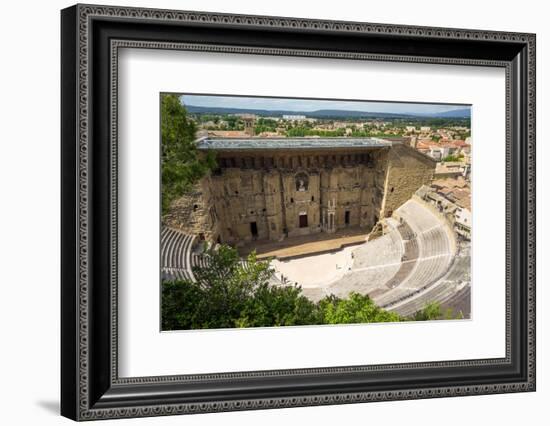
<point x="407" y="170"/>
<point x="271" y="196"/>
<point x="291" y="195"/>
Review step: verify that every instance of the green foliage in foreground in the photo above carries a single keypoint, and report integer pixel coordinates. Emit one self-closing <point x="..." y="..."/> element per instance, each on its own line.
<point x="182" y="165"/>
<point x="430" y="312"/>
<point x="230" y="293"/>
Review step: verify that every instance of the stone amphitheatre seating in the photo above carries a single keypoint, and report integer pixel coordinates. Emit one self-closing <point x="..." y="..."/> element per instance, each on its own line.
<point x="415" y="253"/>
<point x="178" y="260"/>
<point x="435" y="251"/>
<point x="199" y="261"/>
<point x="175" y="254"/>
<point x="383" y="250"/>
<point x="374" y="263"/>
<point x="460" y="301"/>
<point x="413" y="264"/>
<point x="452" y="290"/>
<point x="408" y="260"/>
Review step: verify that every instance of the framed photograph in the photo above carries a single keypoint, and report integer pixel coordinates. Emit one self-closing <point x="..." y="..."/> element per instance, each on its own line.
<point x="263" y="212"/>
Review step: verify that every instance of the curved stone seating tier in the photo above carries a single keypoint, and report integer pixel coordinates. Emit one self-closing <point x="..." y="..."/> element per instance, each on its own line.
<point x="385" y="249"/>
<point x="369" y="281"/>
<point x="435" y="243"/>
<point x="199" y="261"/>
<point x="408" y="259"/>
<point x="406" y="231"/>
<point x="418" y="216"/>
<point x="405" y="269"/>
<point x="461" y="269"/>
<point x="178" y="260"/>
<point x="451" y="291"/>
<point x="460" y="301"/>
<point x="419" y="298"/>
<point x="374" y="263"/>
<point x="175" y="254"/>
<point x="427" y="257"/>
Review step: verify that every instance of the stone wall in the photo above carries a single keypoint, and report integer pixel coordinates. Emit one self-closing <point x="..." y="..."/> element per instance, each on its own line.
<point x="407" y="170"/>
<point x="195" y="213"/>
<point x="271" y="196"/>
<point x="273" y="204"/>
<point x="240" y="199"/>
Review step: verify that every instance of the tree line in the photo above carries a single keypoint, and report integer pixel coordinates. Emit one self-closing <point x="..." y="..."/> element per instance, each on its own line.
<point x="229" y="293"/>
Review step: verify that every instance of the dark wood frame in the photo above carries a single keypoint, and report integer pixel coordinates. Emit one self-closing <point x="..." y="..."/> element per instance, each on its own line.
<point x="90" y="386"/>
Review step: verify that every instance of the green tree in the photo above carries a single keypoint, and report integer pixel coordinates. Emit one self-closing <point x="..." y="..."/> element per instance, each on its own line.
<point x="356" y="309"/>
<point x="278" y="306"/>
<point x="179" y="302"/>
<point x="182" y="165"/>
<point x="227" y="285"/>
<point x="231" y="293"/>
<point x="265" y="125"/>
<point x="219" y="295"/>
<point x="432" y="311"/>
<point x="234" y="123"/>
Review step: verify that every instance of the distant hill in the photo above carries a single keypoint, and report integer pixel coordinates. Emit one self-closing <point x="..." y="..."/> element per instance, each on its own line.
<point x="324" y="113"/>
<point x="457" y="113"/>
<point x="337" y="113"/>
<point x="278" y="113"/>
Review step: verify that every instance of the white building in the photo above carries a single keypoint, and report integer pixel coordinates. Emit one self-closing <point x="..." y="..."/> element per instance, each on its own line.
<point x="293" y="117"/>
<point x="463" y="222"/>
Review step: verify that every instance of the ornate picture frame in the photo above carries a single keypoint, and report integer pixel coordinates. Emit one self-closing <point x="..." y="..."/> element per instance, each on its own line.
<point x="91" y="37"/>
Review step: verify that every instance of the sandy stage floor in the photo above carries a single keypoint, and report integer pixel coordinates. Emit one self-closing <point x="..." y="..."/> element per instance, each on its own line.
<point x="316" y="270"/>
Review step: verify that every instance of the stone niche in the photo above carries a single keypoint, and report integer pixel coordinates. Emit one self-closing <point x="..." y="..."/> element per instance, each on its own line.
<point x="266" y="195"/>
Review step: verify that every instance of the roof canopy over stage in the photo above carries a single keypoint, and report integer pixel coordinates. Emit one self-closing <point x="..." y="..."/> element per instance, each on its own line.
<point x="300" y="143"/>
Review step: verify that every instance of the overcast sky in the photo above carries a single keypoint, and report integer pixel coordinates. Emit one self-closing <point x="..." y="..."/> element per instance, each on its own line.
<point x="313" y="105"/>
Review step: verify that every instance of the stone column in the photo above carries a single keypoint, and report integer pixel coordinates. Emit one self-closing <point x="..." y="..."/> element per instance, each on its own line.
<point x="331" y="216"/>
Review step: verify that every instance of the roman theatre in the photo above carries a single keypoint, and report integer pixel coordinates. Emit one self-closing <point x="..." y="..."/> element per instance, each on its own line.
<point x="334" y="215"/>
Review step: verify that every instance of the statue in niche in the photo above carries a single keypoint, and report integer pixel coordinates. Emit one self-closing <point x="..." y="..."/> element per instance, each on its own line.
<point x="302" y="181"/>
